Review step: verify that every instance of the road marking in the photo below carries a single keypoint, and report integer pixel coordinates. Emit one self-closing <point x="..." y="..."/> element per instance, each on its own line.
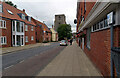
<point x="21" y="61"/>
<point x="9" y="66"/>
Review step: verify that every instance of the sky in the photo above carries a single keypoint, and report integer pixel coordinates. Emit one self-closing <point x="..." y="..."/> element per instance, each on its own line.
<point x="45" y="10"/>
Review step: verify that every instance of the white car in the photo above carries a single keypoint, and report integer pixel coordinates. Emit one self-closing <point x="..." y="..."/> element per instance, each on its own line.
<point x="63" y="43"/>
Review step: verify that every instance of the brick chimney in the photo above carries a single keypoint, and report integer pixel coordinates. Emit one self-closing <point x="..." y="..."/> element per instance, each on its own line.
<point x="23" y="10"/>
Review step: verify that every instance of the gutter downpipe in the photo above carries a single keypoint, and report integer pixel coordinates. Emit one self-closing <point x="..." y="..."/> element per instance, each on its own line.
<point x="111" y="33"/>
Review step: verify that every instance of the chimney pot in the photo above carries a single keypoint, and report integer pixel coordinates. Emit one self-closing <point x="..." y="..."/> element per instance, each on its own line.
<point x="23" y="10"/>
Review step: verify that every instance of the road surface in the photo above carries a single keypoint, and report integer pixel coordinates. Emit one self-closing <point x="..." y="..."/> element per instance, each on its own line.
<point x="29" y="62"/>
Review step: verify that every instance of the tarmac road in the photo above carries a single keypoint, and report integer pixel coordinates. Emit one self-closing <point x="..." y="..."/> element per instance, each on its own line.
<point x="29" y="62"/>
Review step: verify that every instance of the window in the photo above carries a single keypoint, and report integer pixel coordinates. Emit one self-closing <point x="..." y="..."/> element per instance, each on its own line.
<point x="3" y="40"/>
<point x="29" y="18"/>
<point x="105" y="23"/>
<point x="59" y="23"/>
<point x="31" y="28"/>
<point x="26" y="28"/>
<point x="98" y="25"/>
<point x="101" y="24"/>
<point x="88" y="37"/>
<point x="2" y="24"/>
<point x="10" y="12"/>
<point x="23" y="16"/>
<point x="32" y="38"/>
<point x="59" y="17"/>
<point x="13" y="23"/>
<point x="20" y="26"/>
<point x="26" y="38"/>
<point x="84" y="6"/>
<point x="1" y="8"/>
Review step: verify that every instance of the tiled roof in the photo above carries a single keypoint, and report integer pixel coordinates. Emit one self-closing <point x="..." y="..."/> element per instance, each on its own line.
<point x="44" y="27"/>
<point x="15" y="12"/>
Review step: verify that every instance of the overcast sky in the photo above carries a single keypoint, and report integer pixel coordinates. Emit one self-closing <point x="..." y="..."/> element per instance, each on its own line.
<point x="45" y="10"/>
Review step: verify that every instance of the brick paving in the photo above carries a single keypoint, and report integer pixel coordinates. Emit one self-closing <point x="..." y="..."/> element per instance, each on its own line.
<point x="72" y="61"/>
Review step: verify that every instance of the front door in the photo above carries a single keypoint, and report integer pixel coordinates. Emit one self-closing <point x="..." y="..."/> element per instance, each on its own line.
<point x="22" y="40"/>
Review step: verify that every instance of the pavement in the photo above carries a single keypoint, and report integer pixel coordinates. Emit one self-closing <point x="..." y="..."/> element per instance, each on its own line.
<point x="72" y="61"/>
<point x="14" y="49"/>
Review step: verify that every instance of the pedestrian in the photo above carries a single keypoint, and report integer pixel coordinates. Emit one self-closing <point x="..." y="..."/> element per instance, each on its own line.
<point x="71" y="42"/>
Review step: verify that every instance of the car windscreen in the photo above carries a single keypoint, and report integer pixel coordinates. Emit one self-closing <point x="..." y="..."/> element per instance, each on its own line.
<point x="63" y="41"/>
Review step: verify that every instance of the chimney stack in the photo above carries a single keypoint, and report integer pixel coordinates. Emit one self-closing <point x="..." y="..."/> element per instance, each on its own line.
<point x="23" y="10"/>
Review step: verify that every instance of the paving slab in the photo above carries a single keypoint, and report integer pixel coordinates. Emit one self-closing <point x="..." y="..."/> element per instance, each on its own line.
<point x="72" y="61"/>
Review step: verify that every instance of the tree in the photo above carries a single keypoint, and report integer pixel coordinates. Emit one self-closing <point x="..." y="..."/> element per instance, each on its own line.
<point x="64" y="31"/>
<point x="11" y="4"/>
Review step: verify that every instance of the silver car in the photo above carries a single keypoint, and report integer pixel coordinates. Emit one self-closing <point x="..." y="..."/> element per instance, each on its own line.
<point x="63" y="43"/>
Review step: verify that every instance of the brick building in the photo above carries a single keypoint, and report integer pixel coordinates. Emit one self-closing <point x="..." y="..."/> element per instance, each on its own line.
<point x="17" y="28"/>
<point x="47" y="34"/>
<point x="38" y="31"/>
<point x="99" y="36"/>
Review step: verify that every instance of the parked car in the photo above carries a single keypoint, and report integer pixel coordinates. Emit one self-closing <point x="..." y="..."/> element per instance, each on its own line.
<point x="63" y="43"/>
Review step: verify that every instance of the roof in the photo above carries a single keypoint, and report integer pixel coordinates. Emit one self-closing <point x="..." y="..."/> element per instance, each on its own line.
<point x="52" y="30"/>
<point x="15" y="12"/>
<point x="44" y="27"/>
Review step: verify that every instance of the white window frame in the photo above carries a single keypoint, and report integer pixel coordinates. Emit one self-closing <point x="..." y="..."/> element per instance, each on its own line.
<point x="88" y="37"/>
<point x="1" y="8"/>
<point x="3" y="23"/>
<point x="26" y="38"/>
<point x="4" y="40"/>
<point x="32" y="28"/>
<point x="26" y="27"/>
<point x="29" y="18"/>
<point x="23" y="16"/>
<point x="10" y="12"/>
<point x="32" y="38"/>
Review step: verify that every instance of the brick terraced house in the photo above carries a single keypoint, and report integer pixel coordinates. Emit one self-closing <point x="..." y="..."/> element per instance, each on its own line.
<point x="47" y="34"/>
<point x="98" y="34"/>
<point x="38" y="31"/>
<point x="17" y="28"/>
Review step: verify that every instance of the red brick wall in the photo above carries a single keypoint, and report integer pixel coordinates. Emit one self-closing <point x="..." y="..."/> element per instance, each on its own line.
<point x="89" y="6"/>
<point x="47" y="37"/>
<point x="100" y="50"/>
<point x="39" y="34"/>
<point x="30" y="33"/>
<point x="8" y="33"/>
<point x="50" y="37"/>
<point x="117" y="36"/>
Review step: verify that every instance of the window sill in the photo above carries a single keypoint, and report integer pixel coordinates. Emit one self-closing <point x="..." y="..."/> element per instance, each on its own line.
<point x="26" y="41"/>
<point x="3" y="28"/>
<point x="4" y="44"/>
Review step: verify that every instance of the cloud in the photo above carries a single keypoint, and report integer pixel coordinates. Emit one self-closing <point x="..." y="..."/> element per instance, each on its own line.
<point x="45" y="10"/>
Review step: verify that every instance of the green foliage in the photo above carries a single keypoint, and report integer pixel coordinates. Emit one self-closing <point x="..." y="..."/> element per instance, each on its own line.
<point x="11" y="4"/>
<point x="64" y="31"/>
